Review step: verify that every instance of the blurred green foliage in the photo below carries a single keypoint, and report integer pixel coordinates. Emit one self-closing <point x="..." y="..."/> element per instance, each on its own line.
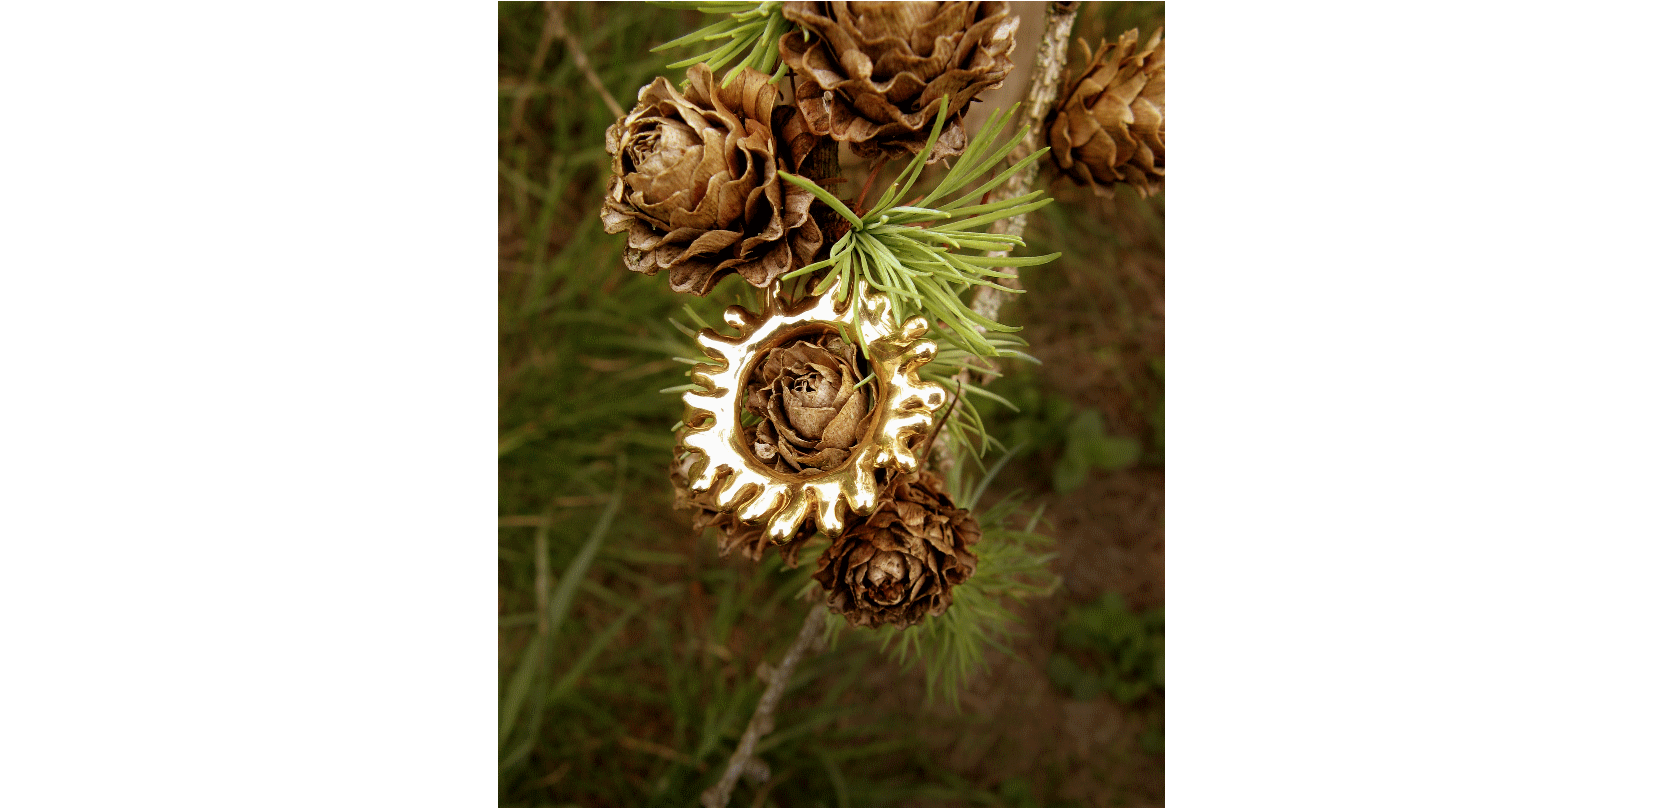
<point x="1086" y="445"/>
<point x="1107" y="648"/>
<point x="1157" y="416"/>
<point x="1051" y="424"/>
<point x="1016" y="792"/>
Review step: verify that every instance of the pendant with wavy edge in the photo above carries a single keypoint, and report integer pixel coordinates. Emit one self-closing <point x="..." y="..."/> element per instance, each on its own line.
<point x="904" y="407"/>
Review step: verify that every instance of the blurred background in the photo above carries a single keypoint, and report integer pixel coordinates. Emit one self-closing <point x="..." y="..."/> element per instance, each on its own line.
<point x="629" y="649"/>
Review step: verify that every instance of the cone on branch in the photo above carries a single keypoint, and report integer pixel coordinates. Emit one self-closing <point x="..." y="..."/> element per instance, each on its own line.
<point x="749" y="541"/>
<point x="871" y="74"/>
<point x="1109" y="126"/>
<point x="901" y="564"/>
<point x="695" y="183"/>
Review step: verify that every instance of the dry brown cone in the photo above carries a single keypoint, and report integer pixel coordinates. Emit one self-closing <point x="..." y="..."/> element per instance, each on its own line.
<point x="1109" y="127"/>
<point x="696" y="184"/>
<point x="870" y="74"/>
<point x="733" y="534"/>
<point x="902" y="563"/>
<point x="810" y="408"/>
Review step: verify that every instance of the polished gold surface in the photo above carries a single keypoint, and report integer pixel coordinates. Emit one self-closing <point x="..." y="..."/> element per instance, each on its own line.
<point x="903" y="409"/>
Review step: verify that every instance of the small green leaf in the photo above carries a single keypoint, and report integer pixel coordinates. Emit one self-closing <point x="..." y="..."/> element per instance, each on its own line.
<point x="1087" y="439"/>
<point x="964" y="243"/>
<point x="1151" y="740"/>
<point x="696" y="316"/>
<point x="1069" y="473"/>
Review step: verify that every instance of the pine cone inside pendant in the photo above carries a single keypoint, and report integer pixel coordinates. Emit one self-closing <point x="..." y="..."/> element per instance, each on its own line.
<point x="750" y="541"/>
<point x="811" y="408"/>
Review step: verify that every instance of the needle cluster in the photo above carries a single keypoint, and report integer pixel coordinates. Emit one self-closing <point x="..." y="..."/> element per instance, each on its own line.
<point x="751" y="28"/>
<point x="912" y="250"/>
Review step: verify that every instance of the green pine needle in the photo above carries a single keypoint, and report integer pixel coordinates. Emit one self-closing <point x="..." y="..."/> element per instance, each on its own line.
<point x="911" y="252"/>
<point x="1012" y="565"/>
<point x="751" y="28"/>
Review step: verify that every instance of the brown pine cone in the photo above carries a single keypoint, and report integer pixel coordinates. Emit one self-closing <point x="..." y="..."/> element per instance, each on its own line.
<point x="901" y="564"/>
<point x="695" y="183"/>
<point x="812" y="411"/>
<point x="1109" y="127"/>
<point x="870" y="74"/>
<point x="750" y="540"/>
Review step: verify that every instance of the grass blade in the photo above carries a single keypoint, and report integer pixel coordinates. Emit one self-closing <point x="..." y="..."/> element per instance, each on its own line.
<point x="519" y="685"/>
<point x="570" y="679"/>
<point x="841" y="790"/>
<point x="561" y="601"/>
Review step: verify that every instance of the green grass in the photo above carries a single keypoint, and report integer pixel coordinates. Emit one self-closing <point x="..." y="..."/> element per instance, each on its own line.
<point x="628" y="650"/>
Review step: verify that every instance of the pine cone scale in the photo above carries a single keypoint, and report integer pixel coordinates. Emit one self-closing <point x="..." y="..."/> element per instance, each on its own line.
<point x="900" y="564"/>
<point x="696" y="184"/>
<point x="872" y="75"/>
<point x="813" y="413"/>
<point x="1109" y="126"/>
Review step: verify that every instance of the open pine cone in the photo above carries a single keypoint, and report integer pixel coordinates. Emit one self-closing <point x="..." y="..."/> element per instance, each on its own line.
<point x="695" y="183"/>
<point x="750" y="540"/>
<point x="870" y="74"/>
<point x="901" y="563"/>
<point x="1109" y="128"/>
<point x="813" y="414"/>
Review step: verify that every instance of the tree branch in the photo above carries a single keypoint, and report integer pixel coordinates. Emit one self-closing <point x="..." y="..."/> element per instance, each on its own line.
<point x="582" y="60"/>
<point x="763" y="718"/>
<point x="1050" y="59"/>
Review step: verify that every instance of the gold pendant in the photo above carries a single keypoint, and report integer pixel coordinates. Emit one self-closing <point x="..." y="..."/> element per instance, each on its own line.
<point x="903" y="409"/>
